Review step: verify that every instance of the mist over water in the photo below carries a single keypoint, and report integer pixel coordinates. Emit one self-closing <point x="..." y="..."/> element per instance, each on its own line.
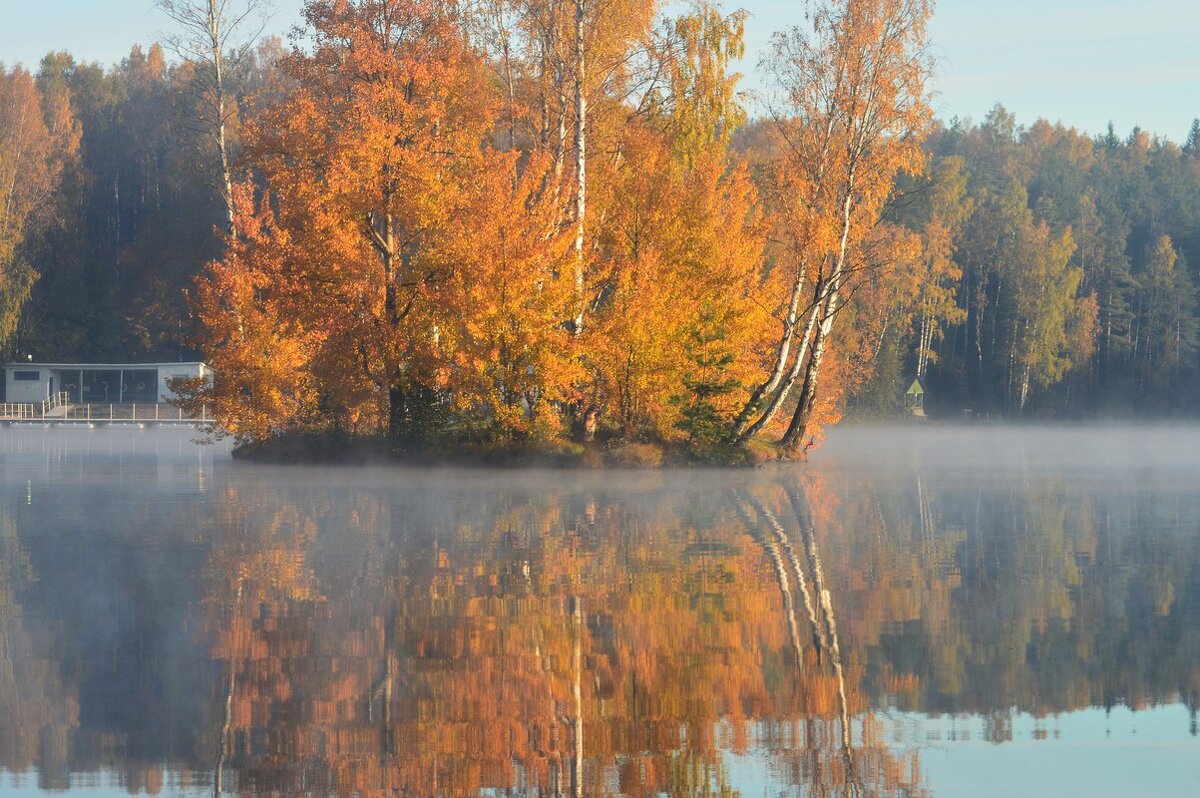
<point x="1007" y="611"/>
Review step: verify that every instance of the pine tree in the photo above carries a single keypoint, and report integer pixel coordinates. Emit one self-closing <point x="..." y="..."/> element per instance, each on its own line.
<point x="705" y="414"/>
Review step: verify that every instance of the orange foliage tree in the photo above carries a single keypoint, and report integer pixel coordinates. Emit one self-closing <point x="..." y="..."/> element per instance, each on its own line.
<point x="412" y="256"/>
<point x="385" y="257"/>
<point x="29" y="170"/>
<point x="851" y="109"/>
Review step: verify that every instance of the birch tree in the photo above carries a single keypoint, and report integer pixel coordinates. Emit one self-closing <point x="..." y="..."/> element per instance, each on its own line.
<point x="215" y="36"/>
<point x="947" y="208"/>
<point x="851" y="109"/>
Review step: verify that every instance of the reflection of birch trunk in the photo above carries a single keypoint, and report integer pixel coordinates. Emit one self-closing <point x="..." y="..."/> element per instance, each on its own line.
<point x="382" y="692"/>
<point x="801" y="582"/>
<point x="812" y="749"/>
<point x="830" y="626"/>
<point x="835" y="657"/>
<point x="227" y="724"/>
<point x="835" y="651"/>
<point x="923" y="509"/>
<point x="771" y="545"/>
<point x="820" y="629"/>
<point x="577" y="695"/>
<point x="550" y="745"/>
<point x="218" y="778"/>
<point x="388" y="682"/>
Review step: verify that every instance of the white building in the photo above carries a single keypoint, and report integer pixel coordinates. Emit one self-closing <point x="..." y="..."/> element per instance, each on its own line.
<point x="106" y="383"/>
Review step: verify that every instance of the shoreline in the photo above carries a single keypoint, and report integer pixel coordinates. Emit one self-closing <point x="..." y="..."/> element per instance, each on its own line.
<point x="334" y="449"/>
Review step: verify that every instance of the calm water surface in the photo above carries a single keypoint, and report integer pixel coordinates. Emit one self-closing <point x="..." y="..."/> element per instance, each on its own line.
<point x="917" y="612"/>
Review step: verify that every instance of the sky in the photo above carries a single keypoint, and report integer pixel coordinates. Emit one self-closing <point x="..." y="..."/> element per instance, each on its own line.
<point x="1084" y="63"/>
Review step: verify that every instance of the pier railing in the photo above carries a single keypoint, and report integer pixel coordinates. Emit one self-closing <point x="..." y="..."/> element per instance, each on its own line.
<point x="18" y="410"/>
<point x="59" y="409"/>
<point x="36" y="410"/>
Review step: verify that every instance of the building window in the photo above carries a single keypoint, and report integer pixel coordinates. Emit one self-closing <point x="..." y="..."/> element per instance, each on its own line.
<point x="27" y="376"/>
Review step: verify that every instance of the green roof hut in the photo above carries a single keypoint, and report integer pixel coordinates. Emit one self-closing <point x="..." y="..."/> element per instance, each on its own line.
<point x="914" y="398"/>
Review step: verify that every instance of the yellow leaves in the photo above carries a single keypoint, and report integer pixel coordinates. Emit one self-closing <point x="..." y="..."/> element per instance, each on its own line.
<point x="404" y="270"/>
<point x="30" y="164"/>
<point x="678" y="238"/>
<point x="256" y="348"/>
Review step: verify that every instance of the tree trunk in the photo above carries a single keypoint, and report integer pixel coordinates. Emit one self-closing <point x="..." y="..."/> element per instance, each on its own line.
<point x="785" y="389"/>
<point x="397" y="417"/>
<point x="808" y="395"/>
<point x="218" y="61"/>
<point x="580" y="166"/>
<point x="801" y="418"/>
<point x="577" y="697"/>
<point x="512" y="97"/>
<point x="743" y="429"/>
<point x="923" y="342"/>
<point x="782" y="351"/>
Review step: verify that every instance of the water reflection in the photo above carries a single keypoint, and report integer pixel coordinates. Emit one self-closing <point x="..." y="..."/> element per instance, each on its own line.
<point x="254" y="631"/>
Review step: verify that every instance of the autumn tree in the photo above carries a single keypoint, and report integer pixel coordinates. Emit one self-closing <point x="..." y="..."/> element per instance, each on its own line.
<point x="1049" y="315"/>
<point x="681" y="246"/>
<point x="947" y="207"/>
<point x="513" y="359"/>
<point x="27" y="176"/>
<point x="1166" y="335"/>
<point x="388" y="246"/>
<point x="1100" y="233"/>
<point x="851" y="112"/>
<point x="1027" y="320"/>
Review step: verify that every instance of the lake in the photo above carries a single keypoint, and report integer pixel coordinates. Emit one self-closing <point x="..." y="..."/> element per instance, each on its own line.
<point x="918" y="611"/>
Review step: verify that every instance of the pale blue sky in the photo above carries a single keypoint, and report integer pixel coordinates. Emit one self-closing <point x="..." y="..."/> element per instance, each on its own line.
<point x="1082" y="62"/>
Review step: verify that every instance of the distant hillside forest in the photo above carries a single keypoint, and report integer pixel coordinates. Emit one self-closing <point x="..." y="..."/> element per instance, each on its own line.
<point x="540" y="220"/>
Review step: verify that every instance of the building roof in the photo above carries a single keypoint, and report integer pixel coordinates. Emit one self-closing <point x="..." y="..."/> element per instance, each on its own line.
<point x="106" y="366"/>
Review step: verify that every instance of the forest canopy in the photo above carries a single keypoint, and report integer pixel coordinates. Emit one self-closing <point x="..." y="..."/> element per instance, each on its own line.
<point x="551" y="223"/>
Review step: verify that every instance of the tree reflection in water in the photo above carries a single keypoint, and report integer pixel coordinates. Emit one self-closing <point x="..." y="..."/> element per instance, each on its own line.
<point x="547" y="648"/>
<point x="598" y="637"/>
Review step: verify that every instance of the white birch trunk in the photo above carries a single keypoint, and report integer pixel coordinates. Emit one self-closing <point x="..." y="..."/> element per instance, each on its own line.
<point x="799" y="424"/>
<point x="580" y="166"/>
<point x="783" y="350"/>
<point x="797" y="367"/>
<point x="216" y="37"/>
<point x="812" y="373"/>
<point x="577" y="696"/>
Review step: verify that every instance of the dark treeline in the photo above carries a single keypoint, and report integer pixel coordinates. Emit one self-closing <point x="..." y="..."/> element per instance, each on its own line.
<point x="122" y="205"/>
<point x="1059" y="278"/>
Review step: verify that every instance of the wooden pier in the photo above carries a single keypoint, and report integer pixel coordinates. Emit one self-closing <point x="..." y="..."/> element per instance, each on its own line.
<point x="58" y="409"/>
